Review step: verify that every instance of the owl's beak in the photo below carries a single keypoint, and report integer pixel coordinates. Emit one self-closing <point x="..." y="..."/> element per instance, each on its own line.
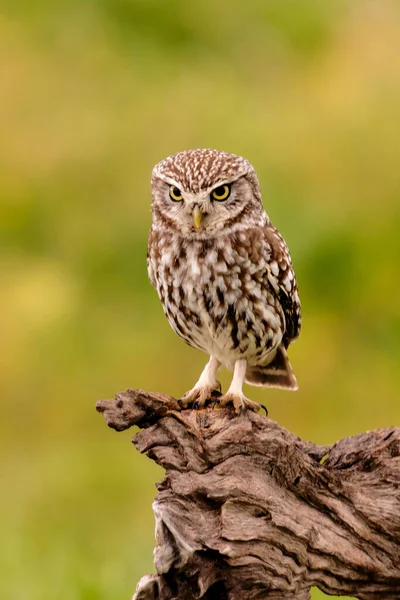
<point x="197" y="216"/>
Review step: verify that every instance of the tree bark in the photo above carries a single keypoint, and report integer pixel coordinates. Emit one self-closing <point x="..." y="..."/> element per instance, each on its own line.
<point x="247" y="510"/>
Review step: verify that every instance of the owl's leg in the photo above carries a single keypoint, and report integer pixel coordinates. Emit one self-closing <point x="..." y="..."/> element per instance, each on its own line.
<point x="235" y="393"/>
<point x="206" y="384"/>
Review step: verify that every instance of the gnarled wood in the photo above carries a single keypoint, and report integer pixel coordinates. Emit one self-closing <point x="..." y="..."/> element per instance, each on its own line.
<point x="247" y="510"/>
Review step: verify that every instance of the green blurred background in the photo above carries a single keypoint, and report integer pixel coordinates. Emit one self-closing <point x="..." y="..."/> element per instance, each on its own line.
<point x="93" y="94"/>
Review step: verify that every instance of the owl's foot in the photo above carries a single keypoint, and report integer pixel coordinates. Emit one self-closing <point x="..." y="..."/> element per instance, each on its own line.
<point x="239" y="401"/>
<point x="207" y="383"/>
<point x="198" y="396"/>
<point x="234" y="395"/>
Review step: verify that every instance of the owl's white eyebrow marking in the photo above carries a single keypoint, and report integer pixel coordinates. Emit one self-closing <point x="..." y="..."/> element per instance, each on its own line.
<point x="171" y="181"/>
<point x="207" y="191"/>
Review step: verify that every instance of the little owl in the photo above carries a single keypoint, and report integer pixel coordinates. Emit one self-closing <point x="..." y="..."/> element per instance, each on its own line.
<point x="223" y="272"/>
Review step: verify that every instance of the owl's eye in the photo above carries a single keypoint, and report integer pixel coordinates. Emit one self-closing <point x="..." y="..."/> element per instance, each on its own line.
<point x="221" y="193"/>
<point x="175" y="193"/>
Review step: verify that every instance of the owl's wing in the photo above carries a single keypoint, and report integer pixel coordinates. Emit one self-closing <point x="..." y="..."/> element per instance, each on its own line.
<point x="282" y="279"/>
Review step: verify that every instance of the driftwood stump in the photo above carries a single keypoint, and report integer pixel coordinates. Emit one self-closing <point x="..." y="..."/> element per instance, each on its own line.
<point x="247" y="510"/>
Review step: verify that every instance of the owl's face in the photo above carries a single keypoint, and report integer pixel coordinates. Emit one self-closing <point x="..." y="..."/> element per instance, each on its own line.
<point x="205" y="192"/>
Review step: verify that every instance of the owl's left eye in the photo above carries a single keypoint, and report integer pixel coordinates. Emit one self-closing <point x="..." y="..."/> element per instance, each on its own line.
<point x="175" y="193"/>
<point x="221" y="193"/>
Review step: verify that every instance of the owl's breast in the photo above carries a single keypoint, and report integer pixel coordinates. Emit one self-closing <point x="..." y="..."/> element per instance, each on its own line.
<point x="218" y="300"/>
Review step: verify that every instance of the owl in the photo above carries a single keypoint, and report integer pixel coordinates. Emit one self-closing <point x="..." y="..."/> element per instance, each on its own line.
<point x="223" y="273"/>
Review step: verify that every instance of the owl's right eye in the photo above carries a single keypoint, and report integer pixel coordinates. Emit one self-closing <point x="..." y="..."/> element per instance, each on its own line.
<point x="175" y="193"/>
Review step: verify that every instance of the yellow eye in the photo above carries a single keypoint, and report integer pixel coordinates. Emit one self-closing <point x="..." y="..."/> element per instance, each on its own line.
<point x="221" y="193"/>
<point x="175" y="193"/>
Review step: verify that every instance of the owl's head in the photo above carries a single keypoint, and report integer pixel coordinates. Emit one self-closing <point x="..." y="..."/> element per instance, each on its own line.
<point x="205" y="192"/>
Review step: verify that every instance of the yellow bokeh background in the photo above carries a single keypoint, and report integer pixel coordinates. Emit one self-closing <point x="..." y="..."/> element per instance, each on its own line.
<point x="93" y="94"/>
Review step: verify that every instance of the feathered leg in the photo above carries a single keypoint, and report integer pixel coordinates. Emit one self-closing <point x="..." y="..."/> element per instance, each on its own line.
<point x="235" y="393"/>
<point x="206" y="384"/>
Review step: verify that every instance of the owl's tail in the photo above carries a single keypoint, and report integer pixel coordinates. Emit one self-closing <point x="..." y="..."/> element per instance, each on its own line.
<point x="277" y="374"/>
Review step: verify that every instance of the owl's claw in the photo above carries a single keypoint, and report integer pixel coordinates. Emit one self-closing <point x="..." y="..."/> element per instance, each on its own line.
<point x="239" y="401"/>
<point x="198" y="396"/>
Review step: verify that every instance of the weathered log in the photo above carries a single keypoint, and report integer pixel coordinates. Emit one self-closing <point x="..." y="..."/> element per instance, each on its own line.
<point x="247" y="510"/>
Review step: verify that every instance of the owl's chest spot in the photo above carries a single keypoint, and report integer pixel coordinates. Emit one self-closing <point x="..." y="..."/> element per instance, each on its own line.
<point x="194" y="269"/>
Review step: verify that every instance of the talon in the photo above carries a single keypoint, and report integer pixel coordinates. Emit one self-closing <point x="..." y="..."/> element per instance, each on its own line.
<point x="214" y="403"/>
<point x="240" y="403"/>
<point x="196" y="398"/>
<point x="182" y="403"/>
